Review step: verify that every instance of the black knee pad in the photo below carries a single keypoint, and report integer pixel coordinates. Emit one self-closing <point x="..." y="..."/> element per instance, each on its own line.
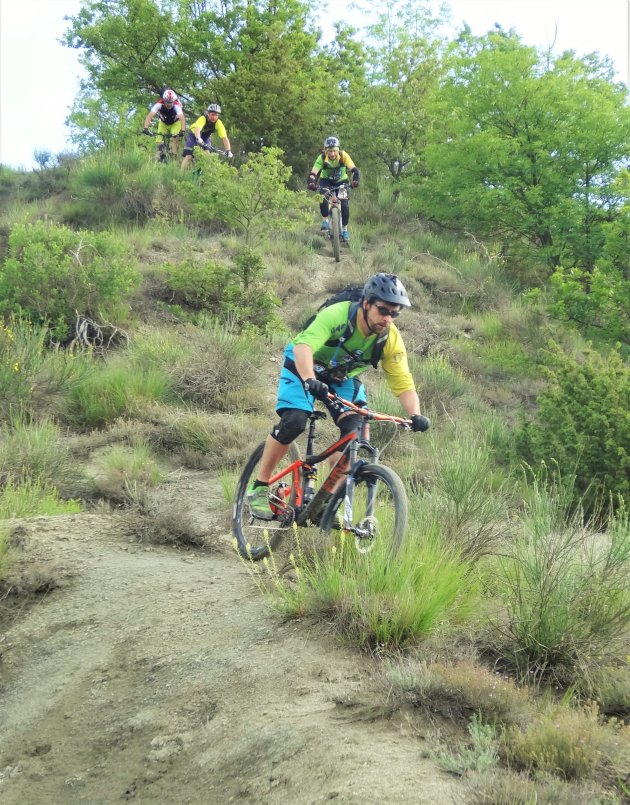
<point x="292" y="423"/>
<point x="349" y="424"/>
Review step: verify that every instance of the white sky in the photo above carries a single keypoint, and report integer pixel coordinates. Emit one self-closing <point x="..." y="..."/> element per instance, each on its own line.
<point x="39" y="77"/>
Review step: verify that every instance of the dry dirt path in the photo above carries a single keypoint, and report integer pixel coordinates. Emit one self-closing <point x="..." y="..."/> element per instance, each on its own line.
<point x="158" y="675"/>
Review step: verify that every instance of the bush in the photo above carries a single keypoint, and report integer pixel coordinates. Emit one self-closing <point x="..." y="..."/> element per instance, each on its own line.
<point x="252" y="199"/>
<point x="52" y="273"/>
<point x="566" y="587"/>
<point x="583" y="423"/>
<point x="123" y="186"/>
<point x="237" y="292"/>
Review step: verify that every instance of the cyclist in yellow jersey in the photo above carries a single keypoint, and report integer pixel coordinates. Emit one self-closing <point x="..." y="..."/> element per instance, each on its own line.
<point x="322" y="358"/>
<point x="202" y="130"/>
<point x="332" y="168"/>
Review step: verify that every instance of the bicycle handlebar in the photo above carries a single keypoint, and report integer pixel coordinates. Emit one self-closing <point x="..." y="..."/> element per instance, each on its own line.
<point x="153" y="134"/>
<point x="209" y="147"/>
<point x="331" y="190"/>
<point x="373" y="415"/>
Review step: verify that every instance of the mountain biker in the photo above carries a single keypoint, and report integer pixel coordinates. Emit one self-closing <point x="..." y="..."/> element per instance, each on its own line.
<point x="316" y="362"/>
<point x="331" y="168"/>
<point x="202" y="130"/>
<point x="172" y="121"/>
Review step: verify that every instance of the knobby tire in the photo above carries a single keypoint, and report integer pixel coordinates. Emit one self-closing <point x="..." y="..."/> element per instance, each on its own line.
<point x="335" y="223"/>
<point x="392" y="512"/>
<point x="251" y="541"/>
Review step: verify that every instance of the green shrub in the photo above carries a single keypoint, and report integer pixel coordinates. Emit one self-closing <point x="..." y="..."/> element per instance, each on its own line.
<point x="113" y="391"/>
<point x="31" y="451"/>
<point x="373" y="601"/>
<point x="238" y="292"/>
<point x="583" y="422"/>
<point x="34" y="378"/>
<point x="571" y="743"/>
<point x="30" y="499"/>
<point x="52" y="273"/>
<point x="253" y="198"/>
<point x="123" y="186"/>
<point x="565" y="584"/>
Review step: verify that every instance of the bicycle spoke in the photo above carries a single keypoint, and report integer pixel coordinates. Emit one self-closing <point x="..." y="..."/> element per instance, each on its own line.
<point x="378" y="510"/>
<point x="256" y="537"/>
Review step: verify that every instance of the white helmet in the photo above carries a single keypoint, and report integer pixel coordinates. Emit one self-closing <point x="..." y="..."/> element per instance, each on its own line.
<point x="169" y="96"/>
<point x="214" y="107"/>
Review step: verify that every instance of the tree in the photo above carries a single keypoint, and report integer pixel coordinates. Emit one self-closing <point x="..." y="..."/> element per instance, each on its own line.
<point x="386" y="121"/>
<point x="245" y="55"/>
<point x="252" y="199"/>
<point x="582" y="425"/>
<point x="523" y="148"/>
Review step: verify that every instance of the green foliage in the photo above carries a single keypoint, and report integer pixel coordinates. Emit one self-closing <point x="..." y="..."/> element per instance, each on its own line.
<point x="52" y="273"/>
<point x="525" y="148"/>
<point x="464" y="502"/>
<point x="124" y="186"/>
<point x="596" y="299"/>
<point x="571" y="744"/>
<point x="34" y="378"/>
<point x="34" y="452"/>
<point x="375" y="602"/>
<point x="122" y="469"/>
<point x="583" y="422"/>
<point x="219" y="367"/>
<point x="253" y="198"/>
<point x="385" y="127"/>
<point x="238" y="292"/>
<point x="480" y="755"/>
<point x="114" y="390"/>
<point x="31" y="498"/>
<point x="565" y="584"/>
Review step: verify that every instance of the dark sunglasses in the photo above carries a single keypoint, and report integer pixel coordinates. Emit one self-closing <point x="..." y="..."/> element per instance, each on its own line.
<point x="385" y="311"/>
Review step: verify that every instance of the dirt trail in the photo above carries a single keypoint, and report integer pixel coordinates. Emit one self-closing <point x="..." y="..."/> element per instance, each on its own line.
<point x="159" y="675"/>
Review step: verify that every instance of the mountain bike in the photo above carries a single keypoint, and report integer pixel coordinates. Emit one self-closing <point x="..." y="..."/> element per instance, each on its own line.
<point x="334" y="196"/>
<point x="370" y="503"/>
<point x="164" y="150"/>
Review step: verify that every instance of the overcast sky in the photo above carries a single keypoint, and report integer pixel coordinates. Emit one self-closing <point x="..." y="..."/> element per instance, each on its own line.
<point x="39" y="77"/>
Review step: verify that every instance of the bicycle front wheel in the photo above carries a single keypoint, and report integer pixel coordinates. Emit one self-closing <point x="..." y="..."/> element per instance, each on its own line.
<point x="256" y="538"/>
<point x="335" y="224"/>
<point x="379" y="508"/>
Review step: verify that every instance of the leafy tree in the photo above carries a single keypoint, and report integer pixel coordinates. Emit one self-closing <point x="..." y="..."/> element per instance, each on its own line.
<point x="252" y="198"/>
<point x="597" y="300"/>
<point x="246" y="55"/>
<point x="386" y="122"/>
<point x="525" y="149"/>
<point x="582" y="424"/>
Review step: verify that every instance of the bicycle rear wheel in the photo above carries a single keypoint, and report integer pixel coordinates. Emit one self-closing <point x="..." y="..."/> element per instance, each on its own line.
<point x="379" y="508"/>
<point x="335" y="225"/>
<point x="256" y="538"/>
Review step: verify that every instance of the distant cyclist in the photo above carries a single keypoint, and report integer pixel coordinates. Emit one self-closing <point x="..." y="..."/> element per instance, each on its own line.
<point x="202" y="130"/>
<point x="332" y="168"/>
<point x="172" y="121"/>
<point x="329" y="355"/>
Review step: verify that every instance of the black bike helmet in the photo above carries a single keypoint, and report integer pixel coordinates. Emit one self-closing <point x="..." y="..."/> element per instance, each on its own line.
<point x="331" y="142"/>
<point x="388" y="288"/>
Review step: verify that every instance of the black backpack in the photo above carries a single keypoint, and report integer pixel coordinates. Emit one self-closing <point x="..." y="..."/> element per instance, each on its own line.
<point x="354" y="294"/>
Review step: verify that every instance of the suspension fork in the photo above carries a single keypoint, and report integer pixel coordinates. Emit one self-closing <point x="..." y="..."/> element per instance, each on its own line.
<point x="361" y="443"/>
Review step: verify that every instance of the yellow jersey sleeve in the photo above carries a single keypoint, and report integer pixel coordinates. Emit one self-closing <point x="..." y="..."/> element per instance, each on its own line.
<point x="395" y="364"/>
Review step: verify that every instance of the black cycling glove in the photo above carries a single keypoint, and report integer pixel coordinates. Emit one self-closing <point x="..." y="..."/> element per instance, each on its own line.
<point x="419" y="423"/>
<point x="315" y="387"/>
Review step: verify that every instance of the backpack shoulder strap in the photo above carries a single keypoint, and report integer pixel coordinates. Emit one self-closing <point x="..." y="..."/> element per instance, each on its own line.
<point x="377" y="351"/>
